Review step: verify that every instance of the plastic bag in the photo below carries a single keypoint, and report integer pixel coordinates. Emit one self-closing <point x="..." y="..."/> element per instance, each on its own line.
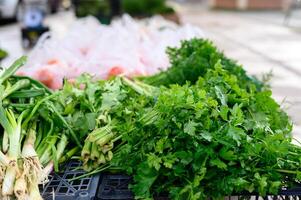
<point x="127" y="46"/>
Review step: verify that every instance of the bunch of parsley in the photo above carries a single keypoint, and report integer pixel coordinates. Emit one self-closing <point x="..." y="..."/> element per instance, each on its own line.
<point x="192" y="60"/>
<point x="212" y="132"/>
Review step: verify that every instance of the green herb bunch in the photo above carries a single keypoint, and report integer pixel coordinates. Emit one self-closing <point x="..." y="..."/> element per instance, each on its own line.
<point x="202" y="129"/>
<point x="222" y="135"/>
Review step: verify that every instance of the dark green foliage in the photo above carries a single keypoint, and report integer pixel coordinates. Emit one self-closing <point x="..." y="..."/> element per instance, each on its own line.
<point x="202" y="129"/>
<point x="192" y="60"/>
<point x="145" y="7"/>
<point x="220" y="134"/>
<point x="211" y="139"/>
<point x="92" y="7"/>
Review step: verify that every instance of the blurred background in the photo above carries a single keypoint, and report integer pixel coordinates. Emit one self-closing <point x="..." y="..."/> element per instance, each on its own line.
<point x="262" y="35"/>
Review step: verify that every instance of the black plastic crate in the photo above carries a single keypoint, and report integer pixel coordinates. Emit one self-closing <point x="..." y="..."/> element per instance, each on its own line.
<point x="115" y="187"/>
<point x="60" y="187"/>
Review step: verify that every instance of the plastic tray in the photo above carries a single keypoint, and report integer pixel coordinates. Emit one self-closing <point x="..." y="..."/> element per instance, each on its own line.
<point x="115" y="187"/>
<point x="60" y="188"/>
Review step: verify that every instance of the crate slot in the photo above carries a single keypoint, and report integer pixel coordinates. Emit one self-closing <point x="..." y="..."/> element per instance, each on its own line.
<point x="62" y="188"/>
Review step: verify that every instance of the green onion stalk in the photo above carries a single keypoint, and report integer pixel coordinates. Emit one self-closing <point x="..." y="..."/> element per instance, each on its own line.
<point x="70" y="154"/>
<point x="21" y="170"/>
<point x="98" y="147"/>
<point x="13" y="179"/>
<point x="50" y="152"/>
<point x="32" y="166"/>
<point x="25" y="155"/>
<point x="9" y="89"/>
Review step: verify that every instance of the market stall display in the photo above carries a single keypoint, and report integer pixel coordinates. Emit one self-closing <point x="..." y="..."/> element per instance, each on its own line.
<point x="127" y="46"/>
<point x="200" y="129"/>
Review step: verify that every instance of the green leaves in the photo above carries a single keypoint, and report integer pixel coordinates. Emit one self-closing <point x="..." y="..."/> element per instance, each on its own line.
<point x="190" y="128"/>
<point x="112" y="95"/>
<point x="144" y="179"/>
<point x="154" y="161"/>
<point x="218" y="163"/>
<point x="219" y="134"/>
<point x="220" y="95"/>
<point x="207" y="136"/>
<point x="4" y="121"/>
<point x="12" y="69"/>
<point x="224" y="112"/>
<point x="236" y="134"/>
<point x="204" y="129"/>
<point x="227" y="154"/>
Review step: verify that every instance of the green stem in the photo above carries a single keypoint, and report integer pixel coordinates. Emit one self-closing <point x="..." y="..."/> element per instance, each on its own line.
<point x="135" y="87"/>
<point x="34" y="110"/>
<point x="86" y="151"/>
<point x="46" y="155"/>
<point x="95" y="154"/>
<point x="98" y="134"/>
<point x="19" y="106"/>
<point x="38" y="84"/>
<point x="105" y="140"/>
<point x="14" y="138"/>
<point x="96" y="171"/>
<point x="61" y="146"/>
<point x="76" y="139"/>
<point x="117" y="138"/>
<point x="69" y="154"/>
<point x="28" y="93"/>
<point x="28" y="150"/>
<point x="17" y="86"/>
<point x="286" y="171"/>
<point x="59" y="151"/>
<point x="40" y="141"/>
<point x="12" y="69"/>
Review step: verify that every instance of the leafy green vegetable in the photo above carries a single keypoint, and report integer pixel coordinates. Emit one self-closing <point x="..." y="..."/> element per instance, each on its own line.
<point x="202" y="129"/>
<point x="11" y="70"/>
<point x="209" y="148"/>
<point x="192" y="60"/>
<point x="220" y="133"/>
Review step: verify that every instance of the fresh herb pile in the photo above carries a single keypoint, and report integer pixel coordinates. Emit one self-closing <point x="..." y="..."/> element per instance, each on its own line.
<point x="218" y="135"/>
<point x="201" y="129"/>
<point x="41" y="129"/>
<point x="211" y="139"/>
<point x="31" y="141"/>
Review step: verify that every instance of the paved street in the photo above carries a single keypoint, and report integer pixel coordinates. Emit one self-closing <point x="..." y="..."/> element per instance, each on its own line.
<point x="258" y="40"/>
